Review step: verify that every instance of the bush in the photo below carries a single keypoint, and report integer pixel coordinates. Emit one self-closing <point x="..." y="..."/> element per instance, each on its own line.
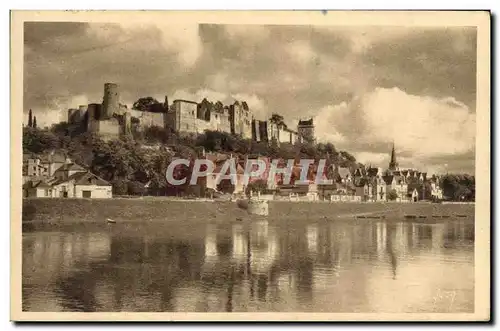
<point x="136" y="188"/>
<point x="392" y="195"/>
<point x="259" y="185"/>
<point x="120" y="187"/>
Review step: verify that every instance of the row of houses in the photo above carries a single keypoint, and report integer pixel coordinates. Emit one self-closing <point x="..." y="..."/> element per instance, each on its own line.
<point x="372" y="184"/>
<point x="54" y="175"/>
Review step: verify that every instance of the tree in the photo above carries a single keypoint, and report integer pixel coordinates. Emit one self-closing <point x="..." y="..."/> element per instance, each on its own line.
<point x="458" y="187"/>
<point x="120" y="187"/>
<point x="260" y="185"/>
<point x="226" y="186"/>
<point x="30" y="119"/>
<point x="392" y="195"/>
<point x="34" y="122"/>
<point x="39" y="141"/>
<point x="347" y="156"/>
<point x="145" y="104"/>
<point x="426" y="191"/>
<point x="278" y="120"/>
<point x="156" y="134"/>
<point x="136" y="188"/>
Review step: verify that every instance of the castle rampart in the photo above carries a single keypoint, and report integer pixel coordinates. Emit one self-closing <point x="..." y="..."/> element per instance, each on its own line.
<point x="112" y="119"/>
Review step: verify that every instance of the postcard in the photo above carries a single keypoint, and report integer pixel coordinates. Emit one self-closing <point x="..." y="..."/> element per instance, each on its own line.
<point x="250" y="166"/>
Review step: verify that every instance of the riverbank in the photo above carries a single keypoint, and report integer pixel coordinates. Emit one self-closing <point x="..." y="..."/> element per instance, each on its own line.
<point x="64" y="211"/>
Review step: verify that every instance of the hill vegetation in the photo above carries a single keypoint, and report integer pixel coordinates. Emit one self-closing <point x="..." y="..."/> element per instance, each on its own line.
<point x="131" y="162"/>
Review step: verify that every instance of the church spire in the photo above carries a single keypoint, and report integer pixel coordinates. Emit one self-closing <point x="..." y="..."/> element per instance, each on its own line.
<point x="393" y="165"/>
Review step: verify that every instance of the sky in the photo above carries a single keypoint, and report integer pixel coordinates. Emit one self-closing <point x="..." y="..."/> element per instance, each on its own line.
<point x="366" y="87"/>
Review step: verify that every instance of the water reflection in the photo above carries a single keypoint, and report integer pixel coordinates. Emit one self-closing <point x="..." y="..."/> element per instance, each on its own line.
<point x="257" y="266"/>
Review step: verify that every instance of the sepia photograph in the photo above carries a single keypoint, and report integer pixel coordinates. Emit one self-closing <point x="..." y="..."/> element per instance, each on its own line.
<point x="265" y="165"/>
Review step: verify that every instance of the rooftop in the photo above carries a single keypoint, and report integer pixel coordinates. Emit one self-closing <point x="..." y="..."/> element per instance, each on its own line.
<point x="306" y="122"/>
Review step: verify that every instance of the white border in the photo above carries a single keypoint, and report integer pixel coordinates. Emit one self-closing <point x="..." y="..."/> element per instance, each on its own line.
<point x="145" y="4"/>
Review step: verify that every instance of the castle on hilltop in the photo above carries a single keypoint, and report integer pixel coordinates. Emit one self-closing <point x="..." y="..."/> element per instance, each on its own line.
<point x="111" y="119"/>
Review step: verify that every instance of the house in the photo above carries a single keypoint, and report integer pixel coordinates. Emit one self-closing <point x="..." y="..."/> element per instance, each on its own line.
<point x="436" y="190"/>
<point x="39" y="167"/>
<point x="36" y="189"/>
<point x="379" y="188"/>
<point x="325" y="191"/>
<point x="82" y="185"/>
<point x="412" y="195"/>
<point x="67" y="170"/>
<point x="364" y="189"/>
<point x="299" y="192"/>
<point x="343" y="177"/>
<point x="397" y="182"/>
<point x="32" y="167"/>
<point x="53" y="161"/>
<point x="68" y="181"/>
<point x="360" y="173"/>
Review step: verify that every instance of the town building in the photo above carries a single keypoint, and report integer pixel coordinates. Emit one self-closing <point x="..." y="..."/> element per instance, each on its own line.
<point x="364" y="190"/>
<point x="380" y="188"/>
<point x="39" y="167"/>
<point x="408" y="184"/>
<point x="344" y="178"/>
<point x="436" y="190"/>
<point x="299" y="192"/>
<point x="61" y="178"/>
<point x="393" y="164"/>
<point x="397" y="184"/>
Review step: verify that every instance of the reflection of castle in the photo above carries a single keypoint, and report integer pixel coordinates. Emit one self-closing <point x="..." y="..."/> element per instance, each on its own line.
<point x="111" y="119"/>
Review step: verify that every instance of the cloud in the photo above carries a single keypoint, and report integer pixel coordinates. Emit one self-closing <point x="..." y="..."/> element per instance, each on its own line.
<point x="355" y="81"/>
<point x="421" y="126"/>
<point x="301" y="51"/>
<point x="180" y="40"/>
<point x="361" y="38"/>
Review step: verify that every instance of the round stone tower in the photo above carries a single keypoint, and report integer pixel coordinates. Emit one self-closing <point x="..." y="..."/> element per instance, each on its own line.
<point x="111" y="100"/>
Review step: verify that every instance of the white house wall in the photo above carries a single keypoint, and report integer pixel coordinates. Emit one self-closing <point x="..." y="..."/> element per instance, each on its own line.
<point x="98" y="192"/>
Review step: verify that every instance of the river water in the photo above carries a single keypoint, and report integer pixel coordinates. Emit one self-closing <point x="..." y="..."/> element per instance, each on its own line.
<point x="251" y="265"/>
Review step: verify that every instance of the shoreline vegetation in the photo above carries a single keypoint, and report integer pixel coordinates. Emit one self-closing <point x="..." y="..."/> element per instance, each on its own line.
<point x="60" y="211"/>
<point x="137" y="164"/>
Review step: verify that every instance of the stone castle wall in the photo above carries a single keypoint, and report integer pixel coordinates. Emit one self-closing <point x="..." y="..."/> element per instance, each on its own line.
<point x="217" y="122"/>
<point x="241" y="120"/>
<point x="148" y="119"/>
<point x="185" y="113"/>
<point x="110" y="128"/>
<point x="76" y="116"/>
<point x="113" y="119"/>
